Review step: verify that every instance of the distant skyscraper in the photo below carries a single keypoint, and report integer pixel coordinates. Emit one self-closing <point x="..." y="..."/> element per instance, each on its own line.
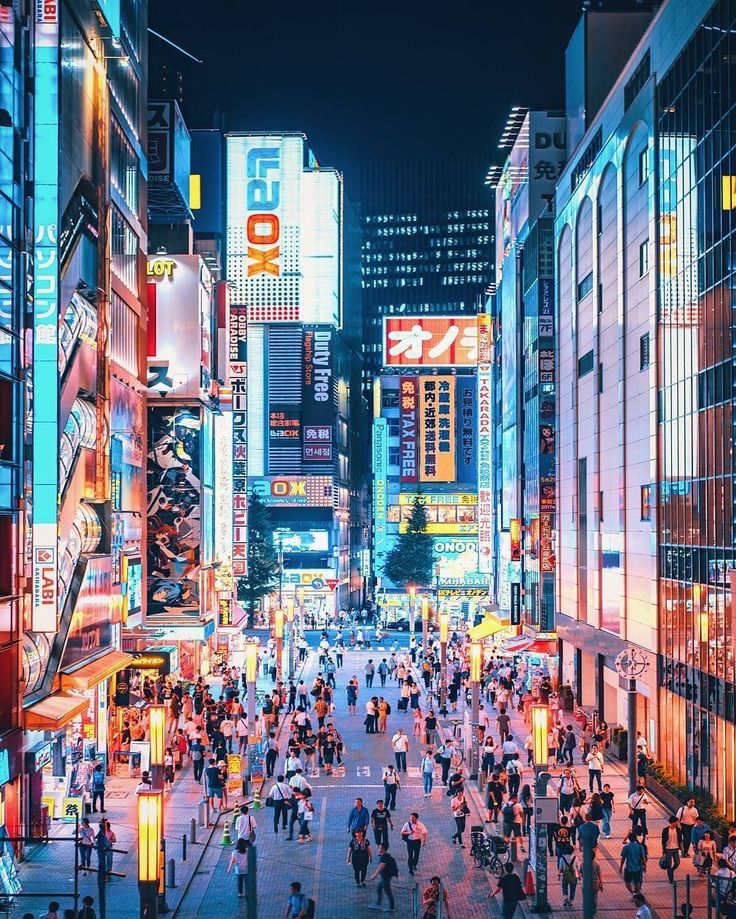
<point x="427" y="241"/>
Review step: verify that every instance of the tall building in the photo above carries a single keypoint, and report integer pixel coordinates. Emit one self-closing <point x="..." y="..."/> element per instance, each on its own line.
<point x="645" y="518"/>
<point x="85" y="438"/>
<point x="287" y="264"/>
<point x="427" y="242"/>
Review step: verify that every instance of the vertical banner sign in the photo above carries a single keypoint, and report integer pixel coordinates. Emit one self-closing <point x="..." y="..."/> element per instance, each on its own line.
<point x="484" y="338"/>
<point x="437" y="421"/>
<point x="546" y="550"/>
<point x="485" y="471"/>
<point x="317" y="396"/>
<point x="515" y="603"/>
<point x="46" y="319"/>
<point x="408" y="398"/>
<point x="466" y="460"/>
<point x="380" y="476"/>
<point x="237" y="357"/>
<point x="515" y="533"/>
<point x="546" y="309"/>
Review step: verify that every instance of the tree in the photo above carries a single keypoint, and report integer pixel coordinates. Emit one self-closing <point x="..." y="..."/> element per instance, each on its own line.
<point x="263" y="565"/>
<point x="412" y="558"/>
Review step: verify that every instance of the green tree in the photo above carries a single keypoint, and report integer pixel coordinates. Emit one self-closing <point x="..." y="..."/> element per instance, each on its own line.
<point x="263" y="565"/>
<point x="412" y="558"/>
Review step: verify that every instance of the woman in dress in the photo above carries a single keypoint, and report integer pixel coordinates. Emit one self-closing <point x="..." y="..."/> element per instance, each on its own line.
<point x="706" y="854"/>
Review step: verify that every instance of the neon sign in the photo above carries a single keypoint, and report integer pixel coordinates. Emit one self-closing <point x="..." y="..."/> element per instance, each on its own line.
<point x="263" y="197"/>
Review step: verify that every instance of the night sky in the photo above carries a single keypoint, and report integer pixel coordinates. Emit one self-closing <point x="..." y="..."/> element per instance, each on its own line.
<point x="380" y="79"/>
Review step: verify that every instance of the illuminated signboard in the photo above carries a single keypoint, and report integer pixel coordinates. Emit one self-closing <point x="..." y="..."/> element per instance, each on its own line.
<point x="430" y="341"/>
<point x="380" y="484"/>
<point x="45" y="466"/>
<point x="284" y="423"/>
<point x="263" y="223"/>
<point x="294" y="490"/>
<point x="456" y="562"/>
<point x="90" y="630"/>
<point x="484" y="338"/>
<point x="224" y="612"/>
<point x="317" y="395"/>
<point x="515" y="536"/>
<point x="448" y="528"/>
<point x="408" y="408"/>
<point x="467" y="423"/>
<point x="437" y="429"/>
<point x="302" y="540"/>
<point x="237" y="367"/>
<point x="484" y="442"/>
<point x="442" y="500"/>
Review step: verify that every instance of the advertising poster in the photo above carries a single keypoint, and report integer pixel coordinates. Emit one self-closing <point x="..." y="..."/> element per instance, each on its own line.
<point x="430" y="341"/>
<point x="174" y="521"/>
<point x="484" y="338"/>
<point x="284" y="424"/>
<point x="294" y="490"/>
<point x="317" y="396"/>
<point x="546" y="548"/>
<point x="380" y="485"/>
<point x="485" y="470"/>
<point x="437" y="429"/>
<point x="237" y="361"/>
<point x="515" y="536"/>
<point x="408" y="405"/>
<point x="90" y="630"/>
<point x="546" y="310"/>
<point x="466" y="460"/>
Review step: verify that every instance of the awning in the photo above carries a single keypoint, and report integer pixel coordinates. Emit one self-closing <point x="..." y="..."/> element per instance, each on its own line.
<point x="89" y="675"/>
<point x="54" y="712"/>
<point x="488" y="627"/>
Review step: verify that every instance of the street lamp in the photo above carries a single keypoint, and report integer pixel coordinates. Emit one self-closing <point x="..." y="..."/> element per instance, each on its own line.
<point x="150" y="829"/>
<point x="251" y="672"/>
<point x="476" y="659"/>
<point x="411" y="588"/>
<point x="425" y="623"/>
<point x="545" y="809"/>
<point x="278" y="630"/>
<point x="290" y="620"/>
<point x="157" y="737"/>
<point x="444" y="627"/>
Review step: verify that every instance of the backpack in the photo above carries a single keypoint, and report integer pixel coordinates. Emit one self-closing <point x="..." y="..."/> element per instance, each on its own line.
<point x="568" y="872"/>
<point x="391" y="869"/>
<point x="508" y="813"/>
<point x="388" y="709"/>
<point x="311" y="907"/>
<point x="98" y="781"/>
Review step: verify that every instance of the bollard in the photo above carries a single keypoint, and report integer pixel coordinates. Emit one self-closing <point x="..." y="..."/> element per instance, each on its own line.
<point x="674" y="899"/>
<point x="251" y="884"/>
<point x="184" y="847"/>
<point x="192" y="831"/>
<point x="202" y="815"/>
<point x="171" y="873"/>
<point x="687" y="890"/>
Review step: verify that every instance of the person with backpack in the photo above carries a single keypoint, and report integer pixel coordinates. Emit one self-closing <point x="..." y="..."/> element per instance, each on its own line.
<point x="514" y="772"/>
<point x="383" y="671"/>
<point x="509" y="886"/>
<point x="386" y="871"/>
<point x="633" y="864"/>
<point x="414" y="834"/>
<point x="98" y="789"/>
<point x="299" y="906"/>
<point x="568" y="873"/>
<point x="197" y="754"/>
<point x="88" y="911"/>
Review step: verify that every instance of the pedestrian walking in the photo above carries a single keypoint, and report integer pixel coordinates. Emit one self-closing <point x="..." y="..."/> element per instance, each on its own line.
<point x="414" y="834"/>
<point x="246" y="825"/>
<point x="443" y="757"/>
<point x="239" y="861"/>
<point x="460" y="811"/>
<point x="431" y="899"/>
<point x="594" y="759"/>
<point x="642" y="909"/>
<point x="511" y="890"/>
<point x="359" y="856"/>
<point x="381" y="821"/>
<point x="608" y="810"/>
<point x="298" y="906"/>
<point x="383" y="671"/>
<point x="213" y="783"/>
<point x="86" y="844"/>
<point x="98" y="789"/>
<point x="400" y="745"/>
<point x="494" y="798"/>
<point x="280" y="798"/>
<point x="514" y="772"/>
<point x="427" y="770"/>
<point x="503" y="722"/>
<point x="633" y="864"/>
<point x="687" y="815"/>
<point x="488" y="763"/>
<point x="672" y="843"/>
<point x="272" y="754"/>
<point x="370" y="672"/>
<point x="705" y="855"/>
<point x="386" y="870"/>
<point x="638" y="804"/>
<point x="306" y="816"/>
<point x="568" y="873"/>
<point x="111" y="841"/>
<point x="391" y="784"/>
<point x="358" y="818"/>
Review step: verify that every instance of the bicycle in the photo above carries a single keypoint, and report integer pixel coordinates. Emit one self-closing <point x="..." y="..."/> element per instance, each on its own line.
<point x="489" y="851"/>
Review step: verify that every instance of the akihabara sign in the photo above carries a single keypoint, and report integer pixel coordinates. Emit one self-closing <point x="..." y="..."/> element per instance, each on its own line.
<point x="485" y="472"/>
<point x="294" y="490"/>
<point x="263" y="200"/>
<point x="430" y="341"/>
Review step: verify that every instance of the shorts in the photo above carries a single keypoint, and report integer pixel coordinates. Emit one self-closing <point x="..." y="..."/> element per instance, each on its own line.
<point x="632" y="877"/>
<point x="214" y="792"/>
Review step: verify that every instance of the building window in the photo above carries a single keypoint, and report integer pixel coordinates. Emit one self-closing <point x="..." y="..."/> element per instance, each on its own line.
<point x="600" y="506"/>
<point x="643" y="165"/>
<point x="123" y="334"/>
<point x="585" y="364"/>
<point x="646" y="502"/>
<point x="600" y="378"/>
<point x="389" y="398"/>
<point x="644" y="351"/>
<point x="585" y="286"/>
<point x="643" y="258"/>
<point x="124" y="245"/>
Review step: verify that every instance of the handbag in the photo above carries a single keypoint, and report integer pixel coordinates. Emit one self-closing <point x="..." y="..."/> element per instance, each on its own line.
<point x="269" y="801"/>
<point x="699" y="860"/>
<point x="663" y="863"/>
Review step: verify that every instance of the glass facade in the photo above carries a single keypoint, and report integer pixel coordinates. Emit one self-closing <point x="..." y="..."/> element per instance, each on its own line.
<point x="696" y="163"/>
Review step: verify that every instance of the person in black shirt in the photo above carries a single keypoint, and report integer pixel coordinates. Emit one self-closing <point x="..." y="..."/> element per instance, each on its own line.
<point x="494" y="798"/>
<point x="509" y="886"/>
<point x="381" y="821"/>
<point x="213" y="783"/>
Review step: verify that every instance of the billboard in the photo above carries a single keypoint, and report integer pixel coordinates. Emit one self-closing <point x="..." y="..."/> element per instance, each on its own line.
<point x="444" y="527"/>
<point x="180" y="324"/>
<point x="237" y="367"/>
<point x="485" y="470"/>
<point x="380" y="484"/>
<point x="464" y="499"/>
<point x="294" y="490"/>
<point x="485" y="344"/>
<point x="318" y="407"/>
<point x="169" y="147"/>
<point x="546" y="543"/>
<point x="45" y="466"/>
<point x="284" y="424"/>
<point x="90" y="630"/>
<point x="430" y="341"/>
<point x="456" y="562"/>
<point x="408" y="406"/>
<point x="467" y="424"/>
<point x="263" y="219"/>
<point x="437" y="429"/>
<point x="289" y="540"/>
<point x="546" y="308"/>
<point x="174" y="531"/>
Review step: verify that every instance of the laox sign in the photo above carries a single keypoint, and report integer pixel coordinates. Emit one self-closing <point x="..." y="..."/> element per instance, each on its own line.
<point x="263" y="197"/>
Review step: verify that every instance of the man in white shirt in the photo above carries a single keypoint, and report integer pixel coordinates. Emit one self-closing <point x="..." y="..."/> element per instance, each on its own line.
<point x="643" y="911"/>
<point x="509" y="749"/>
<point x="245" y="825"/>
<point x="484" y="722"/>
<point x="400" y="744"/>
<point x="729" y="851"/>
<point x="241" y="731"/>
<point x="638" y="804"/>
<point x="298" y="782"/>
<point x="687" y="815"/>
<point x="414" y="834"/>
<point x="280" y="794"/>
<point x="595" y="767"/>
<point x="228" y="729"/>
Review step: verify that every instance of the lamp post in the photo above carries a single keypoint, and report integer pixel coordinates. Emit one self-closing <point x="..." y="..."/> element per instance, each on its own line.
<point x="278" y="630"/>
<point x="476" y="658"/>
<point x="251" y="672"/>
<point x="540" y="730"/>
<point x="425" y="624"/>
<point x="150" y="833"/>
<point x="157" y="738"/>
<point x="444" y="626"/>
<point x="412" y="613"/>
<point x="290" y="620"/>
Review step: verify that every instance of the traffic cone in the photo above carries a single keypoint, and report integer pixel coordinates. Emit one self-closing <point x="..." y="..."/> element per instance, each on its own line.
<point x="236" y="812"/>
<point x="256" y="797"/>
<point x="226" y="840"/>
<point x="529" y="882"/>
